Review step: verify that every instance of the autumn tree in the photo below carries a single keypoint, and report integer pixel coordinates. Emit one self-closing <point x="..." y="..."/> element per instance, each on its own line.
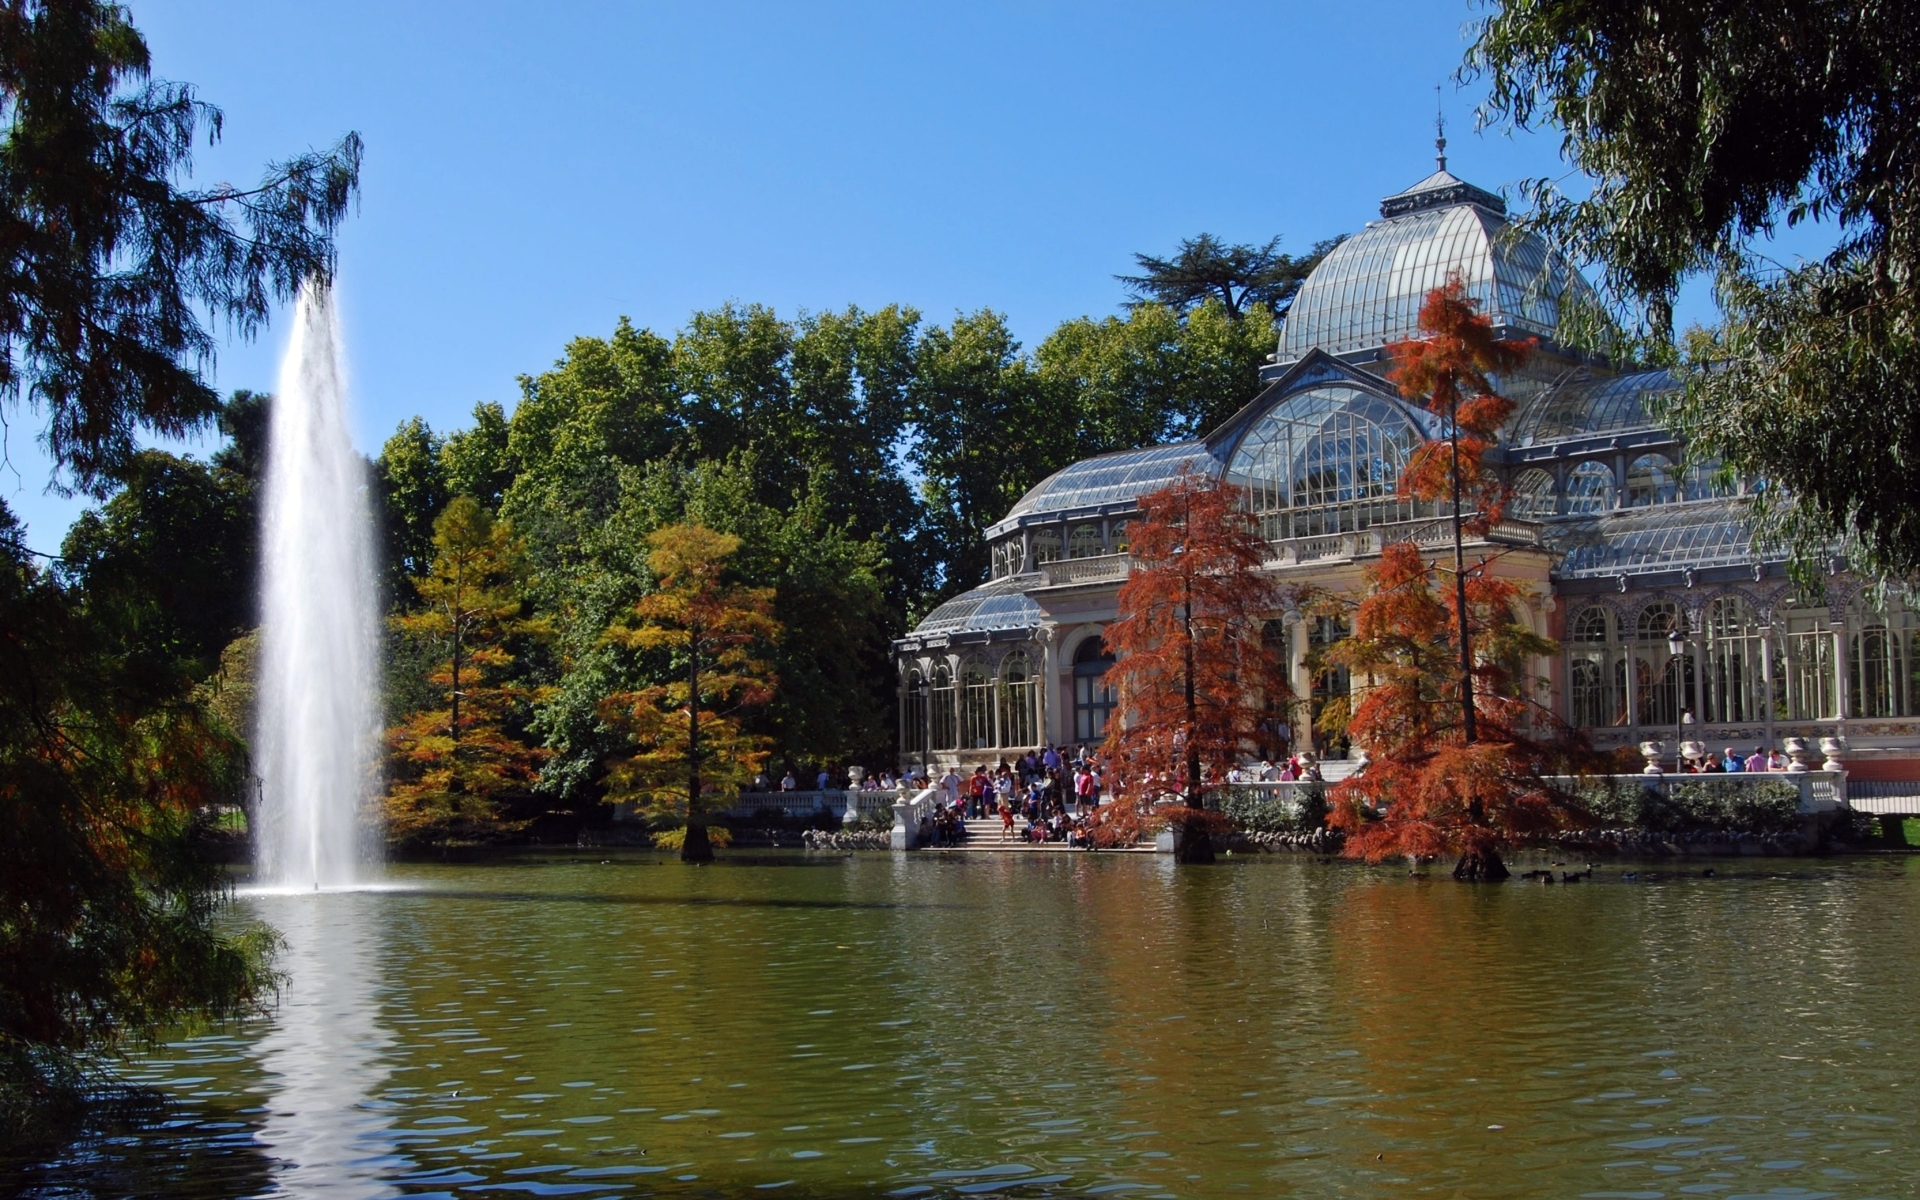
<point x="711" y="634"/>
<point x="1430" y="788"/>
<point x="1448" y="370"/>
<point x="459" y="763"/>
<point x="1196" y="675"/>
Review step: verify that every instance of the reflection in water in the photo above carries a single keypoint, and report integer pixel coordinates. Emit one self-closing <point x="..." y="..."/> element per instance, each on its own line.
<point x="938" y="1026"/>
<point x="323" y="1056"/>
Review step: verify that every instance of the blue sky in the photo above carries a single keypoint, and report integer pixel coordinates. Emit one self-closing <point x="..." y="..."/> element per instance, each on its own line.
<point x="533" y="172"/>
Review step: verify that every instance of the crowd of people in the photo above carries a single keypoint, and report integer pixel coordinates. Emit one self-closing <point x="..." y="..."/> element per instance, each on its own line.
<point x="1045" y="795"/>
<point x="1729" y="762"/>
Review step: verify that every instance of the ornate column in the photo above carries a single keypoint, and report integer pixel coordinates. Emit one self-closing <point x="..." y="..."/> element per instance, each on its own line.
<point x="1049" y="637"/>
<point x="1766" y="676"/>
<point x="1696" y="626"/>
<point x="1632" y="677"/>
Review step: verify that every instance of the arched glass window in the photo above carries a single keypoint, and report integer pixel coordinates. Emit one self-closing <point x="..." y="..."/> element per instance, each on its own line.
<point x="1651" y="480"/>
<point x="1093" y="697"/>
<point x="1019" y="701"/>
<point x="1046" y="545"/>
<point x="941" y="708"/>
<point x="1596" y="670"/>
<point x="1327" y="461"/>
<point x="1006" y="557"/>
<point x="1084" y="542"/>
<point x="1803" y="675"/>
<point x="1533" y="495"/>
<point x="1590" y="489"/>
<point x="913" y="717"/>
<point x="1880" y="661"/>
<point x="1735" y="682"/>
<point x="1663" y="679"/>
<point x="976" y="704"/>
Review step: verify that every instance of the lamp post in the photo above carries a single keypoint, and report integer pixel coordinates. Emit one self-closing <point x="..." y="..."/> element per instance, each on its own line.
<point x="926" y="732"/>
<point x="1676" y="647"/>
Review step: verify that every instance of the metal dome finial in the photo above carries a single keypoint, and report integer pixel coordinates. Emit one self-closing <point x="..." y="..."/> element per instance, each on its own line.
<point x="1439" y="129"/>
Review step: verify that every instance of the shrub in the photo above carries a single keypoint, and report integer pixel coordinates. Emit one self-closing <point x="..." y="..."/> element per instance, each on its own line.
<point x="1271" y="810"/>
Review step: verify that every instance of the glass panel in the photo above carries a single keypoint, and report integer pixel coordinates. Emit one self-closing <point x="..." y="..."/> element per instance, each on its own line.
<point x="1327" y="461"/>
<point x="1019" y="693"/>
<point x="1590" y="489"/>
<point x="1093" y="697"/>
<point x="1046" y="545"/>
<point x="976" y="705"/>
<point x="945" y="728"/>
<point x="913" y="735"/>
<point x="1084" y="542"/>
<point x="1596" y="671"/>
<point x="1533" y="496"/>
<point x="1735" y="682"/>
<point x="1651" y="480"/>
<point x="1803" y="670"/>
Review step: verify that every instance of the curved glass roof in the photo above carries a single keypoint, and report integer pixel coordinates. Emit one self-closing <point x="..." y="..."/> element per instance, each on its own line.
<point x="1664" y="537"/>
<point x="997" y="604"/>
<point x="1578" y="405"/>
<point x="1367" y="291"/>
<point x="1110" y="480"/>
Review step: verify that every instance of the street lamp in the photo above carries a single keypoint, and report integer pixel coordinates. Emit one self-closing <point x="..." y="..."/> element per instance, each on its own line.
<point x="1677" y="646"/>
<point x="926" y="733"/>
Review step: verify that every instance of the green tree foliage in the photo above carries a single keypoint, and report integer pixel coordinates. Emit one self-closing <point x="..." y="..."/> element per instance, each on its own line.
<point x="460" y="765"/>
<point x="412" y="484"/>
<point x="1236" y="277"/>
<point x="1704" y="127"/>
<point x="109" y="266"/>
<point x="107" y="775"/>
<point x="173" y="556"/>
<point x="476" y="459"/>
<point x="687" y="730"/>
<point x="983" y="436"/>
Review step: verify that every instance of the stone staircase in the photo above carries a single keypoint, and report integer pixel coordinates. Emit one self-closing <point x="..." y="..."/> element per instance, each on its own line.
<point x="983" y="837"/>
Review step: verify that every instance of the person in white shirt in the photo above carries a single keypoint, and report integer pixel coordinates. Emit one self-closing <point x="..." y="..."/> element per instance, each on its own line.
<point x="951" y="782"/>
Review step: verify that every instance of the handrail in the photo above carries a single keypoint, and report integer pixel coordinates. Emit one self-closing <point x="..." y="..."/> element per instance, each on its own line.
<point x="911" y="819"/>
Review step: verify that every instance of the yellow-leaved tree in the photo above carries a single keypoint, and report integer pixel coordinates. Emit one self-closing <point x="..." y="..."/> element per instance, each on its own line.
<point x="458" y="765"/>
<point x="709" y="637"/>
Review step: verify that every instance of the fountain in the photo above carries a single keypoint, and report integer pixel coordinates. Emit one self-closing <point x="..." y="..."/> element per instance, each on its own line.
<point x="317" y="729"/>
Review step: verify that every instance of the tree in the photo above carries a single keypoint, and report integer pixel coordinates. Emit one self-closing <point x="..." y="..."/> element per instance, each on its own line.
<point x="982" y="437"/>
<point x="1196" y="675"/>
<point x="174" y="553"/>
<point x="688" y="731"/>
<point x="1702" y="128"/>
<point x="109" y="266"/>
<point x="108" y="777"/>
<point x="476" y="459"/>
<point x="1430" y="788"/>
<point x="411" y="482"/>
<point x="1238" y="276"/>
<point x="1448" y="371"/>
<point x="459" y="765"/>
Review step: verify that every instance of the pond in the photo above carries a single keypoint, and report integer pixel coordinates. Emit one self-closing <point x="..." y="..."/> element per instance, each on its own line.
<point x="1034" y="1025"/>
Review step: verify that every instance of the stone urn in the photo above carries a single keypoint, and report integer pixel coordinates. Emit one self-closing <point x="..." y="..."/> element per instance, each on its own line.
<point x="1693" y="750"/>
<point x="1796" y="749"/>
<point x="1834" y="748"/>
<point x="1651" y="751"/>
<point x="854" y="777"/>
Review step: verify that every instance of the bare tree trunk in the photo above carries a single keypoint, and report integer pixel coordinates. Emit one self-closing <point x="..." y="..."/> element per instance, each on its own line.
<point x="1467" y="714"/>
<point x="1191" y="842"/>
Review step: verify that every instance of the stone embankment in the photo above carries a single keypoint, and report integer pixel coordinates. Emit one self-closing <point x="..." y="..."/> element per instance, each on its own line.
<point x="1705" y="842"/>
<point x="1310" y="841"/>
<point x="848" y="839"/>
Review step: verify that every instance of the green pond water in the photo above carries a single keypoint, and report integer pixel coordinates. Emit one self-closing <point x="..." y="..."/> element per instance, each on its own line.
<point x="1044" y="1025"/>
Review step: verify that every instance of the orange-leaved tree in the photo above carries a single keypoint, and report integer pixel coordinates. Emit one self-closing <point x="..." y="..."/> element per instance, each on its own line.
<point x="1197" y="678"/>
<point x="460" y="763"/>
<point x="707" y="637"/>
<point x="1428" y="789"/>
<point x="1449" y="370"/>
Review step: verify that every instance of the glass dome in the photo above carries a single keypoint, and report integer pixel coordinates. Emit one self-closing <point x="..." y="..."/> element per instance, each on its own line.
<point x="1579" y="405"/>
<point x="1109" y="481"/>
<point x="999" y="604"/>
<point x="1367" y="291"/>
